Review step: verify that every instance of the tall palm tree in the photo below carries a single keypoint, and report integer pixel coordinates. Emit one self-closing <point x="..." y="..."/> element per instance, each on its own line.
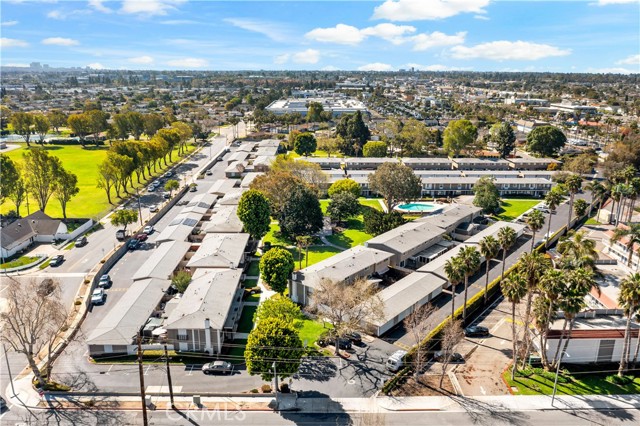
<point x="617" y="193"/>
<point x="550" y="287"/>
<point x="631" y="233"/>
<point x="573" y="185"/>
<point x="577" y="251"/>
<point x="454" y="269"/>
<point x="506" y="238"/>
<point x="629" y="300"/>
<point x="598" y="190"/>
<point x="470" y="257"/>
<point x="514" y="288"/>
<point x="553" y="200"/>
<point x="634" y="191"/>
<point x="535" y="222"/>
<point x="489" y="248"/>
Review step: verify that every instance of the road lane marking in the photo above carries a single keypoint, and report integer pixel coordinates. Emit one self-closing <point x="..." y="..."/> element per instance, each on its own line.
<point x="147" y="370"/>
<point x="107" y="373"/>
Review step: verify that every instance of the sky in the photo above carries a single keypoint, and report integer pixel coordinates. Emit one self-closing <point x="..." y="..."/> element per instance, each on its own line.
<point x="597" y="36"/>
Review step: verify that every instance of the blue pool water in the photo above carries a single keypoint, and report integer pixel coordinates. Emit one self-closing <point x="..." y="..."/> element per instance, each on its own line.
<point x="418" y="207"/>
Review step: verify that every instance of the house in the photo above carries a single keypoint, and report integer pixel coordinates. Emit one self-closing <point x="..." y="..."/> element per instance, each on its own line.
<point x="262" y="163"/>
<point x="526" y="126"/>
<point x="232" y="198"/>
<point x="35" y="228"/>
<point x="532" y="163"/>
<point x="180" y="227"/>
<point x="163" y="261"/>
<point x="367" y="163"/>
<point x="220" y="251"/>
<point x="206" y="314"/>
<point x="597" y="337"/>
<point x="325" y="163"/>
<point x="347" y="266"/>
<point x="200" y="204"/>
<point x="406" y="241"/>
<point x="222" y="186"/>
<point x="480" y="164"/>
<point x="238" y="156"/>
<point x="235" y="169"/>
<point x="432" y="163"/>
<point x="248" y="179"/>
<point x="224" y="219"/>
<point x="452" y="217"/>
<point x="618" y="249"/>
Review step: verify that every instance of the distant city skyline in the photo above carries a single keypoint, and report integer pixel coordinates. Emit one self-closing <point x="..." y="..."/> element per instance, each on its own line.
<point x="597" y="36"/>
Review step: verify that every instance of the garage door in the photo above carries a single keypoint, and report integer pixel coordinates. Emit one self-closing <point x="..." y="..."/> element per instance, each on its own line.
<point x="605" y="350"/>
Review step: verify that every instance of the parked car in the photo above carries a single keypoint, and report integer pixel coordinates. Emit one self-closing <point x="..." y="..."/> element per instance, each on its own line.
<point x="454" y="358"/>
<point x="148" y="229"/>
<point x="98" y="296"/>
<point x="476" y="331"/>
<point x="141" y="237"/>
<point x="151" y="188"/>
<point x="543" y="209"/>
<point x="182" y="202"/>
<point x="193" y="188"/>
<point x="121" y="234"/>
<point x="354" y="337"/>
<point x="56" y="260"/>
<point x="133" y="244"/>
<point x="166" y="195"/>
<point x="105" y="281"/>
<point x="168" y="174"/>
<point x="396" y="361"/>
<point x="329" y="338"/>
<point x="208" y="172"/>
<point x="82" y="241"/>
<point x="217" y="367"/>
<point x="153" y="208"/>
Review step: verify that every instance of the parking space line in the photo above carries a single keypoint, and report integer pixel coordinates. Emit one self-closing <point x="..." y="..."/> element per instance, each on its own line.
<point x="147" y="370"/>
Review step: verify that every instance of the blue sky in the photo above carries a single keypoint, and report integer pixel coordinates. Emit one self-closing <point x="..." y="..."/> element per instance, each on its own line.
<point x="478" y="35"/>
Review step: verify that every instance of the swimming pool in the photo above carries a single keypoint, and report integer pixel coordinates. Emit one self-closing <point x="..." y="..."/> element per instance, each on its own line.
<point x="419" y="207"/>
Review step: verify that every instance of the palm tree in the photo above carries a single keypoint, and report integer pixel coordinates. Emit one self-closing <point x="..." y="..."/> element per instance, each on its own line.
<point x="535" y="222"/>
<point x="553" y="200"/>
<point x="489" y="248"/>
<point x="514" y="288"/>
<point x="454" y="269"/>
<point x="629" y="300"/>
<point x="506" y="238"/>
<point x="598" y="191"/>
<point x="577" y="251"/>
<point x="573" y="185"/>
<point x="631" y="234"/>
<point x="634" y="191"/>
<point x="617" y="193"/>
<point x="470" y="257"/>
<point x="550" y="287"/>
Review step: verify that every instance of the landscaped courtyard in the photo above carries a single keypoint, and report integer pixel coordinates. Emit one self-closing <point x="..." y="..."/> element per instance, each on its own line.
<point x="511" y="208"/>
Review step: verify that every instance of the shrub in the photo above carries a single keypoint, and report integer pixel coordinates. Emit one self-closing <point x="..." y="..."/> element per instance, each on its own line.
<point x="77" y="302"/>
<point x="265" y="388"/>
<point x="284" y="388"/>
<point x="620" y="381"/>
<point x="254" y="391"/>
<point x="525" y="372"/>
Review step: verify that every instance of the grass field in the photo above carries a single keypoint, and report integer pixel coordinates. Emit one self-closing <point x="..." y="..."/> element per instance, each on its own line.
<point x="21" y="261"/>
<point x="316" y="254"/>
<point x="574" y="384"/>
<point x="254" y="269"/>
<point x="511" y="208"/>
<point x="246" y="319"/>
<point x="91" y="202"/>
<point x="235" y="352"/>
<point x="353" y="234"/>
<point x="310" y="330"/>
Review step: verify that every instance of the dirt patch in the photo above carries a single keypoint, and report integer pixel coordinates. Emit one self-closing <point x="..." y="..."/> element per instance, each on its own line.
<point x="427" y="385"/>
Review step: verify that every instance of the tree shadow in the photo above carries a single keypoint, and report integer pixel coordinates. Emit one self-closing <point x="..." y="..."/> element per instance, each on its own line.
<point x="485" y="413"/>
<point x="318" y="408"/>
<point x="319" y="369"/>
<point x="567" y="405"/>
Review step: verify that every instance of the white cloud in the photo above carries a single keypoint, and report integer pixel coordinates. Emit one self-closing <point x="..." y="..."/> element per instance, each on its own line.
<point x="9" y="23"/>
<point x="433" y="67"/>
<point x="608" y="2"/>
<point x="340" y="34"/>
<point x="508" y="50"/>
<point x="630" y="60"/>
<point x="435" y="39"/>
<point x="612" y="70"/>
<point x="179" y="22"/>
<point x="99" y="6"/>
<point x="12" y="42"/>
<point x="149" y="7"/>
<point x="188" y="63"/>
<point x="309" y="56"/>
<point x="96" y="66"/>
<point x="418" y="10"/>
<point x="282" y="59"/>
<point x="55" y="14"/>
<point x="481" y="17"/>
<point x="390" y="32"/>
<point x="376" y="66"/>
<point x="270" y="29"/>
<point x="141" y="60"/>
<point x="60" y="41"/>
<point x="329" y="68"/>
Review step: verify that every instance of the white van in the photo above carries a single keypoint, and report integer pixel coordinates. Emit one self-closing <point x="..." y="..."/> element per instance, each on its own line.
<point x="395" y="361"/>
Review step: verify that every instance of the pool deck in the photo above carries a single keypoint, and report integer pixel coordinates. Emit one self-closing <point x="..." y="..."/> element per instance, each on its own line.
<point x="432" y="208"/>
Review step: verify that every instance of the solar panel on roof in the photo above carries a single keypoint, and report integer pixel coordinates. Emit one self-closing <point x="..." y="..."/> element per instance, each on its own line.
<point x="190" y="222"/>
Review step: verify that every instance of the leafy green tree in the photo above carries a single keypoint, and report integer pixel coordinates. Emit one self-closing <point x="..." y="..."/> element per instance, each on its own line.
<point x="546" y="141"/>
<point x="276" y="267"/>
<point x="314" y="112"/>
<point x="459" y="135"/>
<point x="415" y="139"/>
<point x="308" y="172"/>
<point x="273" y="341"/>
<point x="328" y="145"/>
<point x="171" y="185"/>
<point x="41" y="126"/>
<point x="172" y="139"/>
<point x="489" y="248"/>
<point x="344" y="185"/>
<point x="377" y="222"/>
<point x="487" y="195"/>
<point x="120" y="126"/>
<point x="301" y="213"/>
<point x="80" y="125"/>
<point x="41" y="171"/>
<point x="580" y="207"/>
<point x="305" y="144"/>
<point x="181" y="280"/>
<point x="504" y="138"/>
<point x="106" y="177"/>
<point x="136" y="124"/>
<point x="65" y="188"/>
<point x="9" y="175"/>
<point x="57" y="119"/>
<point x="396" y="183"/>
<point x="124" y="217"/>
<point x="255" y="213"/>
<point x="343" y="205"/>
<point x="21" y="123"/>
<point x="535" y="222"/>
<point x="278" y="306"/>
<point x="374" y="149"/>
<point x="152" y="123"/>
<point x="184" y="133"/>
<point x="97" y="122"/>
<point x="354" y="133"/>
<point x="277" y="186"/>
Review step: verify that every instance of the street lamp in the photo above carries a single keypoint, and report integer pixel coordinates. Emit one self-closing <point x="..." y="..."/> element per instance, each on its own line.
<point x="555" y="382"/>
<point x="275" y="376"/>
<point x="139" y="207"/>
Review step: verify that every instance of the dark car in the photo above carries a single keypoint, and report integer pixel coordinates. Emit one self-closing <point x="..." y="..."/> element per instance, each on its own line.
<point x="476" y="331"/>
<point x="327" y="339"/>
<point x="454" y="357"/>
<point x="141" y="237"/>
<point x="56" y="260"/>
<point x="354" y="337"/>
<point x="166" y="195"/>
<point x="193" y="188"/>
<point x="133" y="244"/>
<point x="82" y="241"/>
<point x="105" y="281"/>
<point x="217" y="367"/>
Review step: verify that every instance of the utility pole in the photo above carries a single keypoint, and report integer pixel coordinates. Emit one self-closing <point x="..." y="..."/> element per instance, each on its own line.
<point x="145" y="422"/>
<point x="139" y="207"/>
<point x="166" y="357"/>
<point x="6" y="358"/>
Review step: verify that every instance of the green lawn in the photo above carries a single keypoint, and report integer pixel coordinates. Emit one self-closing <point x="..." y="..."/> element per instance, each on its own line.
<point x="371" y="202"/>
<point x="235" y="351"/>
<point x="573" y="384"/>
<point x="250" y="282"/>
<point x="310" y="330"/>
<point x="352" y="236"/>
<point x="511" y="208"/>
<point x="254" y="269"/>
<point x="21" y="261"/>
<point x="274" y="237"/>
<point x="316" y="254"/>
<point x="253" y="298"/>
<point x="91" y="202"/>
<point x="592" y="221"/>
<point x="246" y="319"/>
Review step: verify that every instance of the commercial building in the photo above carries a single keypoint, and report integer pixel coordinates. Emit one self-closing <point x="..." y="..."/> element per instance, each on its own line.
<point x="336" y="105"/>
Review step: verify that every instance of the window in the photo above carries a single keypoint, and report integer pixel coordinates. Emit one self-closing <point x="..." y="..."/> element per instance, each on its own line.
<point x="182" y="335"/>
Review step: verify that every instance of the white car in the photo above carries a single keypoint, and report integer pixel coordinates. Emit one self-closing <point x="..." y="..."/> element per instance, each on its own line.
<point x="98" y="296"/>
<point x="151" y="188"/>
<point x="148" y="230"/>
<point x="153" y="208"/>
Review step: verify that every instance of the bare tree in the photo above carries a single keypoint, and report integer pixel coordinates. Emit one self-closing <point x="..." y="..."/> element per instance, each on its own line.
<point x="451" y="336"/>
<point x="419" y="323"/>
<point x="31" y="320"/>
<point x="347" y="306"/>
